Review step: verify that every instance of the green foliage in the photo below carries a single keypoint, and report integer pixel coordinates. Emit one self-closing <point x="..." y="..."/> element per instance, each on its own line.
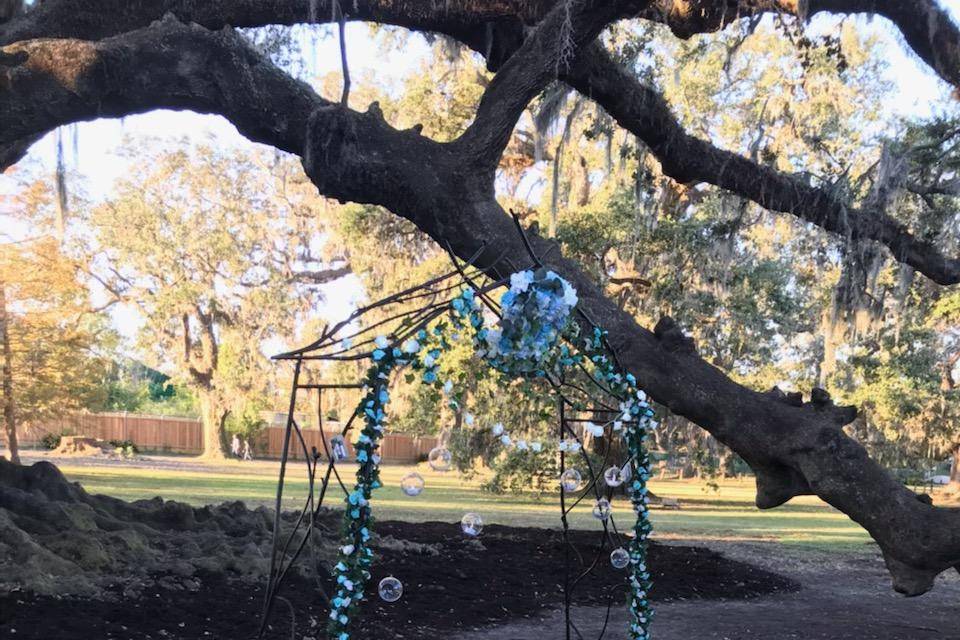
<point x="125" y="448"/>
<point x="523" y="472"/>
<point x="132" y="386"/>
<point x="50" y="440"/>
<point x="248" y="422"/>
<point x="53" y="337"/>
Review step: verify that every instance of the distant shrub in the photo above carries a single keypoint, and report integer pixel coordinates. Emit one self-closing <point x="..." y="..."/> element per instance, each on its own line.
<point x="126" y="446"/>
<point x="50" y="441"/>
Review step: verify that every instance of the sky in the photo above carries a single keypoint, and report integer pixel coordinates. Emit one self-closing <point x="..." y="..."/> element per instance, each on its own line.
<point x="919" y="93"/>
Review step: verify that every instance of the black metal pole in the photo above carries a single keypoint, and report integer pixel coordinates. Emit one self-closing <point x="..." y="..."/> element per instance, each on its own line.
<point x="268" y="601"/>
<point x="566" y="530"/>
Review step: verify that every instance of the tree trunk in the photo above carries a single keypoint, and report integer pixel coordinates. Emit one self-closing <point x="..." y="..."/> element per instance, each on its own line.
<point x="9" y="407"/>
<point x="212" y="416"/>
<point x="955" y="469"/>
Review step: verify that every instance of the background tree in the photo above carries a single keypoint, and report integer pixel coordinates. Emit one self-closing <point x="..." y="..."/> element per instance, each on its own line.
<point x="219" y="252"/>
<point x="52" y="362"/>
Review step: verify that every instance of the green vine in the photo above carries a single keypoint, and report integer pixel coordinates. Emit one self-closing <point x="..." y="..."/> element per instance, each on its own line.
<point x="534" y="339"/>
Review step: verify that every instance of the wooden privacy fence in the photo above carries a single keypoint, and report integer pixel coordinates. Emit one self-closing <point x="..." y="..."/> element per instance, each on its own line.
<point x="395" y="447"/>
<point x="162" y="434"/>
<point x="149" y="433"/>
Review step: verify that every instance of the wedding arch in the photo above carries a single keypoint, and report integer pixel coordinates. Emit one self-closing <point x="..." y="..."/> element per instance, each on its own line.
<point x="525" y="325"/>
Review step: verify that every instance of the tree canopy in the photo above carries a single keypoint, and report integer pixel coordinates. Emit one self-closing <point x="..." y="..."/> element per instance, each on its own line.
<point x="220" y="252"/>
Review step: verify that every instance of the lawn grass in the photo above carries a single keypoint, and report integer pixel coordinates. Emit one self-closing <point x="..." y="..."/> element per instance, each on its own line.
<point x="727" y="514"/>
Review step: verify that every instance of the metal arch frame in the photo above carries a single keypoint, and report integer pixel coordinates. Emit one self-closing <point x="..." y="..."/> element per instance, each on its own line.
<point x="419" y="306"/>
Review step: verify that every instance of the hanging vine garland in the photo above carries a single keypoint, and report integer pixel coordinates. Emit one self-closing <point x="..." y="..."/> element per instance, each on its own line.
<point x="534" y="338"/>
<point x="352" y="571"/>
<point x="536" y="315"/>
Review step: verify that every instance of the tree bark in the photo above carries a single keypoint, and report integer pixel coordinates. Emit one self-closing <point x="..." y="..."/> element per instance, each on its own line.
<point x="955" y="468"/>
<point x="9" y="403"/>
<point x="212" y="416"/>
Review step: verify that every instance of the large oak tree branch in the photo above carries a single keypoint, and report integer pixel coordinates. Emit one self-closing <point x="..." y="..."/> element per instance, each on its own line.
<point x="927" y="27"/>
<point x="495" y="29"/>
<point x="62" y="81"/>
<point x="686" y="158"/>
<point x="553" y="45"/>
<point x="794" y="448"/>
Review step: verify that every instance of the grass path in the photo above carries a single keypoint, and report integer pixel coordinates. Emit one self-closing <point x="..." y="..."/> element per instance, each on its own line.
<point x="725" y="515"/>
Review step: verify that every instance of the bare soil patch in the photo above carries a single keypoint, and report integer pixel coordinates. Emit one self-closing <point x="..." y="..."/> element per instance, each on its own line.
<point x="74" y="565"/>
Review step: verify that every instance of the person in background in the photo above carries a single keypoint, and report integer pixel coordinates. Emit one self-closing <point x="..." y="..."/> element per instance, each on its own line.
<point x="247" y="451"/>
<point x="235" y="446"/>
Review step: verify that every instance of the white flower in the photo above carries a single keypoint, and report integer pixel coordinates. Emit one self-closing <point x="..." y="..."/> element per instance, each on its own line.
<point x="468" y="418"/>
<point x="505" y="440"/>
<point x="520" y="281"/>
<point x="522" y="445"/>
<point x="569" y="294"/>
<point x="641" y="395"/>
<point x="497" y="429"/>
<point x="617" y="425"/>
<point x="448" y="387"/>
<point x="536" y="446"/>
<point x="595" y="430"/>
<point x="653" y="424"/>
<point x="347" y="550"/>
<point x="428" y="361"/>
<point x="381" y="342"/>
<point x="574" y="446"/>
<point x="493" y="341"/>
<point x="411" y="346"/>
<point x="563" y="445"/>
<point x="348" y="585"/>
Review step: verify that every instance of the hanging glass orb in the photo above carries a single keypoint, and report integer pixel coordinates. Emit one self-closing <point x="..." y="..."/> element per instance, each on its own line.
<point x="338" y="448"/>
<point x="570" y="480"/>
<point x="440" y="459"/>
<point x="390" y="589"/>
<point x="472" y="524"/>
<point x="601" y="510"/>
<point x="619" y="558"/>
<point x="613" y="476"/>
<point x="412" y="484"/>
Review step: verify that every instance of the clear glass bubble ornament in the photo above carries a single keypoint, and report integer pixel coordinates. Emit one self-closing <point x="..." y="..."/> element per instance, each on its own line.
<point x="613" y="476"/>
<point x="570" y="480"/>
<point x="601" y="510"/>
<point x="440" y="459"/>
<point x="338" y="448"/>
<point x="390" y="589"/>
<point x="619" y="558"/>
<point x="471" y="524"/>
<point x="412" y="484"/>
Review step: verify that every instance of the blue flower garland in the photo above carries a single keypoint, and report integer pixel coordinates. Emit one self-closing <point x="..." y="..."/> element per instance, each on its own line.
<point x="536" y="315"/>
<point x="353" y="567"/>
<point x="636" y="411"/>
<point x="352" y="570"/>
<point x="536" y="312"/>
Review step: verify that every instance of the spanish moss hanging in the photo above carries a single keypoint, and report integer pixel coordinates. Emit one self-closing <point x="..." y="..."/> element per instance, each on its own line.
<point x="525" y="326"/>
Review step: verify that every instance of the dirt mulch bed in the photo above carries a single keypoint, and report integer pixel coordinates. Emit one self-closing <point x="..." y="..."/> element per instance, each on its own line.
<point x="450" y="584"/>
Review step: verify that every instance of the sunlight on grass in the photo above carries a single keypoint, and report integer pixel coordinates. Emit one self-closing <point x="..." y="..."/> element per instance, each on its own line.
<point x="728" y="514"/>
